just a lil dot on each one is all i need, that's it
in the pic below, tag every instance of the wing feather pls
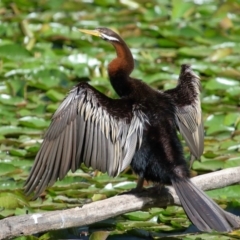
(87, 136)
(81, 131)
(94, 159)
(74, 145)
(186, 97)
(103, 154)
(67, 154)
(91, 128)
(56, 161)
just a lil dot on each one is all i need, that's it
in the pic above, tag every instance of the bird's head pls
(124, 62)
(104, 33)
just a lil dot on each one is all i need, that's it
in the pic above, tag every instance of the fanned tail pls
(203, 212)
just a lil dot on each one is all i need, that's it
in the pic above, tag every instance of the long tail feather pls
(204, 213)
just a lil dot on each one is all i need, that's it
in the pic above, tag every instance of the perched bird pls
(139, 129)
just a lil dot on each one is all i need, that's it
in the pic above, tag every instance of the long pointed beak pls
(91, 32)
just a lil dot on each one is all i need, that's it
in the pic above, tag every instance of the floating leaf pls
(6, 168)
(235, 162)
(11, 200)
(97, 197)
(125, 185)
(227, 192)
(14, 51)
(55, 95)
(18, 152)
(231, 118)
(221, 84)
(99, 235)
(200, 51)
(208, 165)
(138, 215)
(220, 53)
(34, 122)
(181, 10)
(10, 100)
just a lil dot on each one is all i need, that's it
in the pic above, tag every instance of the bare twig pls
(97, 211)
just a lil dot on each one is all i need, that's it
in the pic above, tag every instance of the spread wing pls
(88, 127)
(186, 97)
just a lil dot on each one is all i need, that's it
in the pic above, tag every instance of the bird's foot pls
(156, 189)
(139, 188)
(134, 191)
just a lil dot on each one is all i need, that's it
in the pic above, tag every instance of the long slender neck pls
(120, 68)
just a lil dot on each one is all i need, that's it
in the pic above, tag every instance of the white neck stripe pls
(110, 38)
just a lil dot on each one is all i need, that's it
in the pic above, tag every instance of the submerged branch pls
(97, 211)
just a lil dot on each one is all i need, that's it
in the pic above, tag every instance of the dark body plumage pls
(139, 129)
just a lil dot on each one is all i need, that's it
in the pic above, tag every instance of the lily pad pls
(34, 122)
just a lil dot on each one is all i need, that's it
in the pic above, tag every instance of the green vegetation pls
(42, 55)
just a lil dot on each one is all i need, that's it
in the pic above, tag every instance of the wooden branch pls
(97, 211)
